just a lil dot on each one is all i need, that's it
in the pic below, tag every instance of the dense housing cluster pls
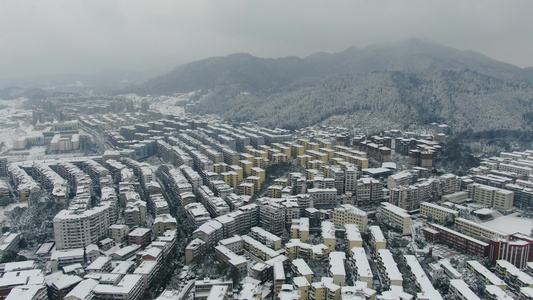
(329, 225)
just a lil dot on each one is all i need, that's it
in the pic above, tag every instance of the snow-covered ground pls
(167, 105)
(511, 224)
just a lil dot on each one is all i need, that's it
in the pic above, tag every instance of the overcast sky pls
(71, 36)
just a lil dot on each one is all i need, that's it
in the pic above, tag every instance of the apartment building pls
(460, 289)
(231, 258)
(437, 212)
(328, 234)
(234, 243)
(297, 249)
(164, 222)
(491, 196)
(514, 278)
(368, 190)
(272, 217)
(210, 232)
(197, 213)
(423, 285)
(399, 179)
(300, 229)
(140, 236)
(247, 189)
(410, 197)
(324, 289)
(135, 213)
(458, 240)
(336, 268)
(118, 232)
(258, 249)
(131, 287)
(377, 239)
(194, 249)
(495, 293)
(323, 197)
(360, 264)
(386, 263)
(303, 286)
(350, 179)
(301, 268)
(396, 216)
(279, 276)
(25, 185)
(516, 250)
(479, 231)
(77, 229)
(485, 274)
(265, 237)
(349, 214)
(353, 236)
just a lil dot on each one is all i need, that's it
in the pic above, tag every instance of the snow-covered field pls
(167, 105)
(511, 224)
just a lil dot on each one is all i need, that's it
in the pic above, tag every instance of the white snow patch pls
(511, 224)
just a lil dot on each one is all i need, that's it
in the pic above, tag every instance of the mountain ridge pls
(413, 55)
(424, 82)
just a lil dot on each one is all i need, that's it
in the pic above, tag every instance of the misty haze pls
(278, 150)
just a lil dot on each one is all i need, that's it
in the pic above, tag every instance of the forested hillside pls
(462, 98)
(410, 82)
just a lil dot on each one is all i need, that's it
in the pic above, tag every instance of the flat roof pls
(361, 262)
(491, 277)
(421, 277)
(377, 233)
(463, 289)
(139, 231)
(513, 270)
(328, 230)
(268, 251)
(435, 206)
(24, 292)
(265, 233)
(98, 263)
(464, 236)
(336, 263)
(83, 289)
(390, 265)
(123, 287)
(302, 267)
(352, 232)
(497, 292)
(395, 209)
(300, 281)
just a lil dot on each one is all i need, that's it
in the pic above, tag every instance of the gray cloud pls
(53, 36)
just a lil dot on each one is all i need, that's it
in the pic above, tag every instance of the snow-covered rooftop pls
(491, 277)
(302, 267)
(377, 233)
(361, 262)
(82, 290)
(336, 263)
(426, 286)
(463, 289)
(390, 265)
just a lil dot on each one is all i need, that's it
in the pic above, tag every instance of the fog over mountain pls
(414, 81)
(52, 37)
